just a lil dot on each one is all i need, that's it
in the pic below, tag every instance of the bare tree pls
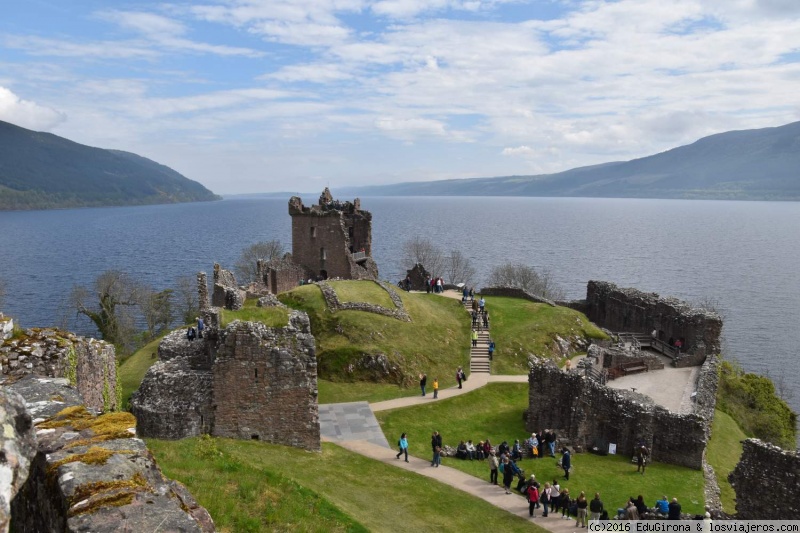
(246, 266)
(110, 306)
(187, 302)
(457, 268)
(422, 251)
(527, 278)
(156, 308)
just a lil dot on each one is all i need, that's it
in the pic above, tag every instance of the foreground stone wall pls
(18, 445)
(592, 415)
(89, 364)
(635, 311)
(265, 383)
(767, 482)
(91, 473)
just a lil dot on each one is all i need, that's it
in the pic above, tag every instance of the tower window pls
(313, 232)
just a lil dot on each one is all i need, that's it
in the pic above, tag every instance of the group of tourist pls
(434, 285)
(423, 382)
(193, 333)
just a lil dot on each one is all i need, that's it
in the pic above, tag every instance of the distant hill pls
(761, 164)
(44, 171)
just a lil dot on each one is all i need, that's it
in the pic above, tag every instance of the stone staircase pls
(479, 355)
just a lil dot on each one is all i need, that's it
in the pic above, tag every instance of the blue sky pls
(277, 95)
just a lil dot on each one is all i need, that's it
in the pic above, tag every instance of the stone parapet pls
(514, 292)
(767, 482)
(18, 445)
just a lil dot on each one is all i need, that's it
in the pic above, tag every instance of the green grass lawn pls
(520, 327)
(723, 452)
(362, 291)
(133, 369)
(495, 412)
(274, 317)
(436, 343)
(359, 391)
(254, 486)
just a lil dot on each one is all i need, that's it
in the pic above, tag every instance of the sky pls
(251, 96)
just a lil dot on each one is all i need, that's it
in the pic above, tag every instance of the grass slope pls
(274, 317)
(723, 452)
(362, 291)
(133, 369)
(254, 486)
(520, 327)
(435, 342)
(495, 412)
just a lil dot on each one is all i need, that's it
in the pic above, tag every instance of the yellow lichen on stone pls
(93, 456)
(136, 484)
(106, 427)
(65, 417)
(119, 499)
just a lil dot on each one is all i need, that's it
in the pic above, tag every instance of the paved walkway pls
(342, 422)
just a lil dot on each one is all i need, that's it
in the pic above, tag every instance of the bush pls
(753, 402)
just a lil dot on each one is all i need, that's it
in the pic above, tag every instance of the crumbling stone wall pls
(767, 482)
(91, 473)
(334, 304)
(202, 291)
(615, 357)
(245, 381)
(226, 293)
(593, 415)
(265, 383)
(419, 277)
(89, 364)
(635, 311)
(514, 292)
(281, 275)
(325, 237)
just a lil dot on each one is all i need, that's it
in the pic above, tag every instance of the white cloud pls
(27, 114)
(523, 151)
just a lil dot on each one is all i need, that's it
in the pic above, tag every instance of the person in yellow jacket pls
(435, 388)
(474, 337)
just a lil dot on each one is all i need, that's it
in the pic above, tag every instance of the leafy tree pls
(527, 278)
(421, 250)
(188, 306)
(246, 266)
(457, 268)
(110, 305)
(156, 308)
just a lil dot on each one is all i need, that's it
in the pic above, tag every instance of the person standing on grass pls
(435, 388)
(641, 458)
(423, 380)
(566, 463)
(403, 446)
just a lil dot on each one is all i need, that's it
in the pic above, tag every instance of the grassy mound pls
(355, 346)
(495, 412)
(361, 291)
(723, 452)
(132, 370)
(520, 327)
(274, 317)
(254, 486)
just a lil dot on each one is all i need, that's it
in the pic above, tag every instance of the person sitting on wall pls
(471, 450)
(662, 506)
(480, 451)
(516, 451)
(461, 450)
(674, 510)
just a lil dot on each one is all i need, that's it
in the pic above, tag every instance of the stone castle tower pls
(332, 239)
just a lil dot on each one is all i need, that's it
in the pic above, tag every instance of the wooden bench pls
(632, 368)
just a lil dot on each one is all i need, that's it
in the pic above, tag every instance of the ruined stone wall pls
(634, 311)
(592, 415)
(18, 445)
(226, 293)
(89, 364)
(513, 292)
(284, 276)
(202, 291)
(334, 304)
(70, 489)
(265, 384)
(767, 482)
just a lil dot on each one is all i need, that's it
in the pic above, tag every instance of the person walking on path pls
(403, 446)
(508, 474)
(423, 380)
(464, 294)
(474, 337)
(471, 294)
(436, 445)
(544, 499)
(595, 508)
(566, 463)
(460, 376)
(481, 304)
(493, 465)
(486, 320)
(533, 499)
(435, 388)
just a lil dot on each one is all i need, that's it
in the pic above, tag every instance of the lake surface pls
(745, 255)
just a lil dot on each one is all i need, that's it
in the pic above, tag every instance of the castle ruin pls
(332, 239)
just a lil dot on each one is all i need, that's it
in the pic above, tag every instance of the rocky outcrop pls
(767, 482)
(91, 473)
(17, 449)
(89, 364)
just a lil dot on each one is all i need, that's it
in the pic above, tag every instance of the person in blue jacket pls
(403, 446)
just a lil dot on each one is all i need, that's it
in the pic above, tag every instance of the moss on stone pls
(65, 417)
(118, 499)
(93, 456)
(105, 427)
(136, 484)
(71, 372)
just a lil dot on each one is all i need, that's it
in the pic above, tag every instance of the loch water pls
(744, 255)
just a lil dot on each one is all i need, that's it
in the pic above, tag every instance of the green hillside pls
(44, 171)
